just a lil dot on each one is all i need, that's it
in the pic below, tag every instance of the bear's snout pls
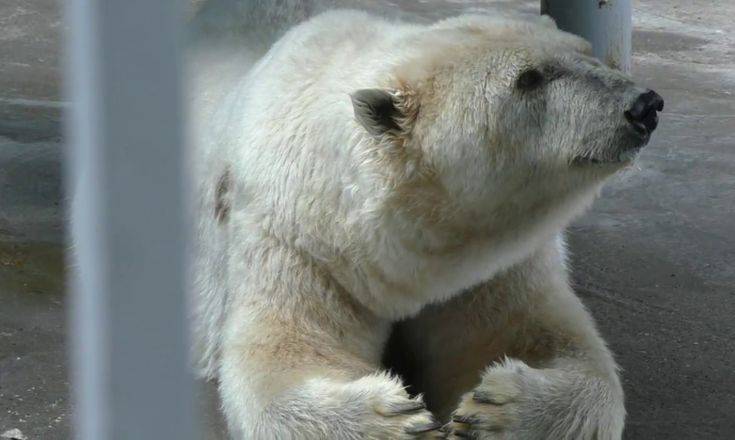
(643, 114)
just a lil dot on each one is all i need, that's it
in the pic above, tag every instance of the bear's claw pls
(406, 408)
(423, 428)
(487, 398)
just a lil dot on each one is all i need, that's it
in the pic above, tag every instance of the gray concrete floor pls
(653, 260)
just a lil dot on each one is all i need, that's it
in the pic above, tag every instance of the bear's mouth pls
(623, 151)
(584, 160)
(622, 157)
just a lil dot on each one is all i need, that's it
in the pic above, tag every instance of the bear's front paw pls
(373, 407)
(388, 411)
(514, 402)
(493, 409)
(403, 420)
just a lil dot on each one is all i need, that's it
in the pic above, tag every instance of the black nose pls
(643, 114)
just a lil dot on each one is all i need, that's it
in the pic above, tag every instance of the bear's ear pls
(377, 110)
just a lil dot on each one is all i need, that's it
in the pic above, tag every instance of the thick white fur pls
(314, 237)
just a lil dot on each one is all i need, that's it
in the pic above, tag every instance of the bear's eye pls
(530, 79)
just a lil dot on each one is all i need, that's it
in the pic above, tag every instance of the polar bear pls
(380, 215)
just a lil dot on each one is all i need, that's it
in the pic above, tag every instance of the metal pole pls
(124, 172)
(607, 24)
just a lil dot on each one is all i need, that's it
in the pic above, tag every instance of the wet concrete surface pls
(33, 375)
(653, 260)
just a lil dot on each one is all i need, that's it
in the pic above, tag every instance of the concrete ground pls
(653, 260)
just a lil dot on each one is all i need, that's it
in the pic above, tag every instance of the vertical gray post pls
(125, 174)
(607, 24)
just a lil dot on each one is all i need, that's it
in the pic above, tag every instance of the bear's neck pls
(407, 264)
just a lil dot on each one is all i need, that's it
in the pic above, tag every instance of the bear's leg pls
(301, 360)
(521, 358)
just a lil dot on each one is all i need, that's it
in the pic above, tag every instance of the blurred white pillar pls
(607, 24)
(125, 173)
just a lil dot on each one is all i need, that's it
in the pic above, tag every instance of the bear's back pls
(291, 128)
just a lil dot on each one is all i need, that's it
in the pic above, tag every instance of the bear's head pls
(487, 123)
